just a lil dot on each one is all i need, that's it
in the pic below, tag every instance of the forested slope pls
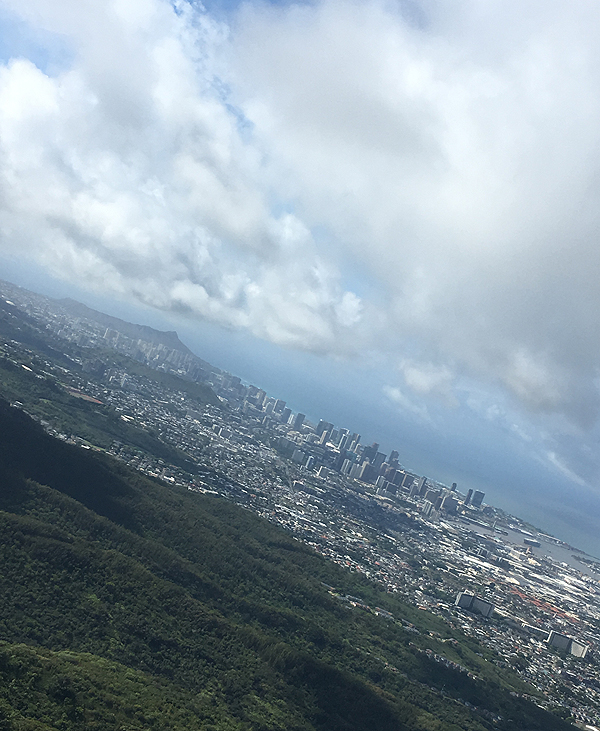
(127, 604)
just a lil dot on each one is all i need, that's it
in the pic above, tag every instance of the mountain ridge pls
(151, 586)
(168, 338)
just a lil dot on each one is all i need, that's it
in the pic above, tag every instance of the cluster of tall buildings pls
(327, 448)
(474, 498)
(254, 401)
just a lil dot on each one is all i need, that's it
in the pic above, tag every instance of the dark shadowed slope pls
(129, 604)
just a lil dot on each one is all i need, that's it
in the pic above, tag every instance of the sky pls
(386, 213)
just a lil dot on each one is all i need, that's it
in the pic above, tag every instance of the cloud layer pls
(458, 158)
(449, 160)
(130, 171)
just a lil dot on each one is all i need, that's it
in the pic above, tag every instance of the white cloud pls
(130, 172)
(459, 160)
(429, 378)
(416, 410)
(555, 461)
(454, 163)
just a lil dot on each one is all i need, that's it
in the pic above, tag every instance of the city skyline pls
(177, 356)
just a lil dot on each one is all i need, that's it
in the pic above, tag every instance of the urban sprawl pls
(529, 597)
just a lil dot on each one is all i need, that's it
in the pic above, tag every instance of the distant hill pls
(128, 604)
(168, 338)
(44, 398)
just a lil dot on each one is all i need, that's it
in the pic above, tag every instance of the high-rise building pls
(298, 421)
(449, 504)
(323, 426)
(341, 437)
(285, 415)
(427, 508)
(355, 471)
(432, 495)
(407, 480)
(397, 477)
(354, 442)
(256, 395)
(279, 406)
(469, 496)
(477, 498)
(370, 452)
(378, 460)
(346, 466)
(366, 472)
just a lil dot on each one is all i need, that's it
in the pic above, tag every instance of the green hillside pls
(127, 604)
(46, 399)
(17, 326)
